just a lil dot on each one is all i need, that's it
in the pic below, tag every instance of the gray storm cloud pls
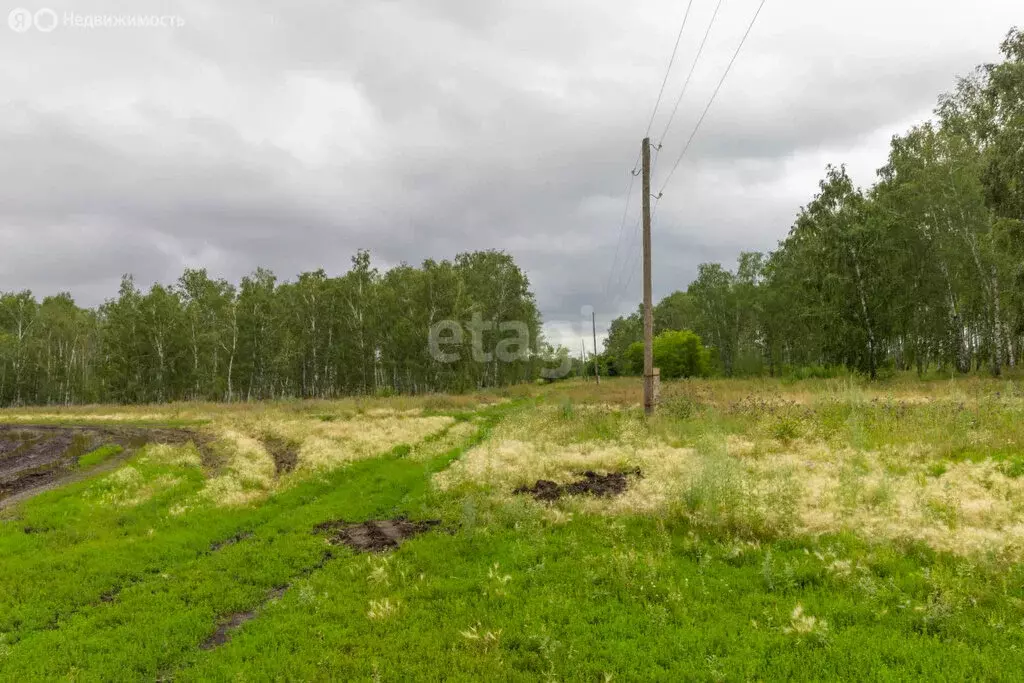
(271, 134)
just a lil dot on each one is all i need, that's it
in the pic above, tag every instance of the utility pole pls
(649, 376)
(583, 358)
(593, 322)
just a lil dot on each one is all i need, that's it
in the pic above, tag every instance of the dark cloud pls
(288, 135)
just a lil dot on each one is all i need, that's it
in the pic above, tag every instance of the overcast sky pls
(290, 134)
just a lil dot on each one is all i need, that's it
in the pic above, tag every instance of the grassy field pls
(814, 530)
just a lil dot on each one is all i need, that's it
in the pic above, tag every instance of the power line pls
(713, 96)
(615, 284)
(630, 240)
(635, 261)
(634, 258)
(622, 227)
(654, 113)
(668, 70)
(693, 68)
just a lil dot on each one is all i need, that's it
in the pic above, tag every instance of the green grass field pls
(819, 529)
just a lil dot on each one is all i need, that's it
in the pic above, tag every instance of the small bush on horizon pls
(677, 354)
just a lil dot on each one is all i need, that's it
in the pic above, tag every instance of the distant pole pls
(583, 358)
(593, 322)
(648, 312)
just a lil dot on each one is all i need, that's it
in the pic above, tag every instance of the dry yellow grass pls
(250, 472)
(453, 437)
(127, 487)
(761, 477)
(197, 411)
(30, 415)
(322, 434)
(175, 455)
(813, 457)
(970, 508)
(719, 392)
(248, 475)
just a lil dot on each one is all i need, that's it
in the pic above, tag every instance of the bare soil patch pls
(374, 535)
(36, 457)
(592, 483)
(240, 536)
(234, 621)
(284, 452)
(224, 629)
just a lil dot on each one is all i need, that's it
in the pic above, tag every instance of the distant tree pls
(634, 358)
(676, 311)
(924, 269)
(680, 353)
(719, 318)
(18, 317)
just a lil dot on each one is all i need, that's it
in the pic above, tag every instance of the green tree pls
(18, 317)
(680, 353)
(634, 358)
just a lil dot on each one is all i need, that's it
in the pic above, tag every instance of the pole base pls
(652, 391)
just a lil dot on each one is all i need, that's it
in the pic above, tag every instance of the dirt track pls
(34, 458)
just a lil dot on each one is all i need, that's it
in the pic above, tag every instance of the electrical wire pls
(650, 123)
(622, 226)
(713, 96)
(668, 70)
(689, 76)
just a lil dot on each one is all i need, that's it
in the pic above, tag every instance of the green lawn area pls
(815, 530)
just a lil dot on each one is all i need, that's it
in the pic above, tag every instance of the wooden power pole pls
(649, 374)
(593, 323)
(583, 359)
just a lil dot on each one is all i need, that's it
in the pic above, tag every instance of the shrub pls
(680, 407)
(635, 358)
(677, 353)
(680, 353)
(1013, 468)
(791, 373)
(786, 429)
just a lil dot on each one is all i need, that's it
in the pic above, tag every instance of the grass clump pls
(95, 457)
(725, 496)
(1013, 468)
(787, 429)
(682, 407)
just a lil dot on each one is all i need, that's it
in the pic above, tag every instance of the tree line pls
(364, 332)
(923, 270)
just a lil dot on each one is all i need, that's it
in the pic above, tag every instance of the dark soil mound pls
(375, 535)
(544, 489)
(592, 483)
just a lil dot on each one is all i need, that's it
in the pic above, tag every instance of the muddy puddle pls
(37, 457)
(374, 535)
(592, 484)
